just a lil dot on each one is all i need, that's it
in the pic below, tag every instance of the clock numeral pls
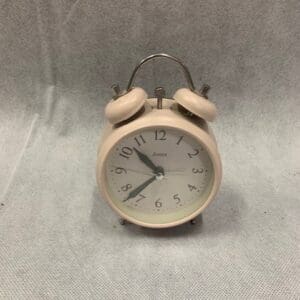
(195, 171)
(126, 187)
(176, 197)
(192, 187)
(141, 197)
(195, 153)
(179, 140)
(126, 152)
(139, 140)
(158, 203)
(119, 170)
(160, 135)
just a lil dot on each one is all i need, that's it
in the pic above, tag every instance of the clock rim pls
(159, 118)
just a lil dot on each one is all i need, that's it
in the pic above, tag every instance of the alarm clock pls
(158, 163)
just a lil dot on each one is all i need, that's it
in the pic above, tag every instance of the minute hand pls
(141, 187)
(146, 160)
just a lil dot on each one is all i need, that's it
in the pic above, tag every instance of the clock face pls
(158, 175)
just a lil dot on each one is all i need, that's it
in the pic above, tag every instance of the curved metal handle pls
(187, 73)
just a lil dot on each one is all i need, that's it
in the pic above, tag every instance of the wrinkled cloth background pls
(58, 238)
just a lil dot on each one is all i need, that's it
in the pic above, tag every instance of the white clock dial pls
(159, 175)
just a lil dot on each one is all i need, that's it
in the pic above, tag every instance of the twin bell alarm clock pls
(158, 163)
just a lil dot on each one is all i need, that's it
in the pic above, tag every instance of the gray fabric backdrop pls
(58, 59)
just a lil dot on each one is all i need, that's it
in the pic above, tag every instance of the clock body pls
(160, 169)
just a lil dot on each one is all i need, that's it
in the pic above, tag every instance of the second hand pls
(135, 171)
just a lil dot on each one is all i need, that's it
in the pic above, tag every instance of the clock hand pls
(135, 171)
(138, 189)
(175, 171)
(139, 172)
(147, 161)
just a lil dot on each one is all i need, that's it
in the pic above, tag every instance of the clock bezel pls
(159, 118)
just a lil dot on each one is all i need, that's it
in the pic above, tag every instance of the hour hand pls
(146, 160)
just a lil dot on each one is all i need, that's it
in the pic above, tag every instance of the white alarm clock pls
(158, 163)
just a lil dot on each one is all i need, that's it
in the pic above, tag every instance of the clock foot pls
(122, 221)
(193, 222)
(198, 220)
